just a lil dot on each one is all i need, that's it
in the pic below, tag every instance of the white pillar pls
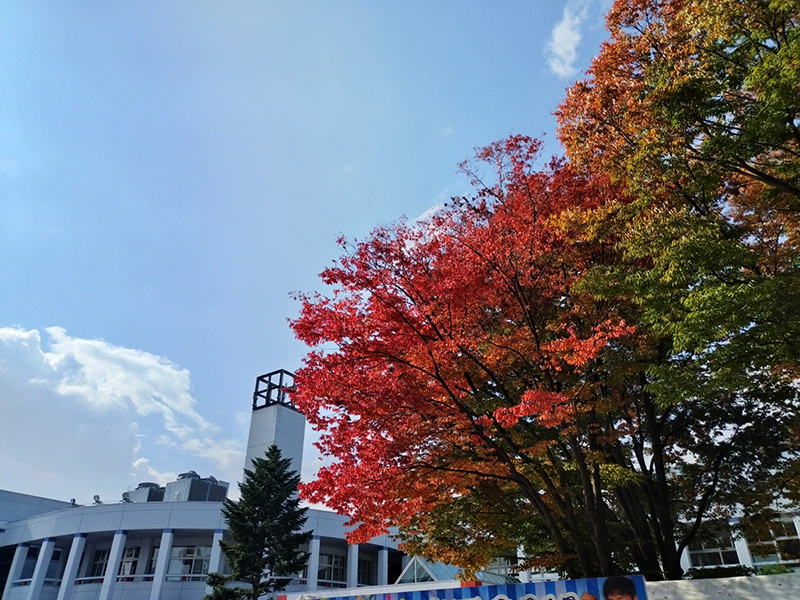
(352, 566)
(524, 576)
(743, 552)
(144, 556)
(40, 572)
(162, 563)
(17, 563)
(71, 570)
(112, 567)
(313, 563)
(686, 561)
(88, 551)
(217, 561)
(383, 566)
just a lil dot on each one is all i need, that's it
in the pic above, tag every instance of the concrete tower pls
(275, 420)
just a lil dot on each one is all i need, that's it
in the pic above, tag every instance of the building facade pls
(159, 543)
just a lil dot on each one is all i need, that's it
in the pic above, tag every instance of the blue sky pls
(170, 171)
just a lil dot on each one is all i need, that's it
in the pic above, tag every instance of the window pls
(503, 565)
(98, 568)
(188, 563)
(331, 568)
(151, 565)
(127, 567)
(779, 544)
(54, 568)
(30, 562)
(415, 572)
(713, 551)
(364, 572)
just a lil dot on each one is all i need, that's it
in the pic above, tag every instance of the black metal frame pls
(281, 382)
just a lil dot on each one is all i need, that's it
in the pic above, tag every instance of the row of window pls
(183, 560)
(190, 561)
(332, 571)
(778, 543)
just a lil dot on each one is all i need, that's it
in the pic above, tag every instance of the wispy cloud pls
(565, 37)
(88, 413)
(448, 131)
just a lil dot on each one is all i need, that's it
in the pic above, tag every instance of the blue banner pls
(600, 588)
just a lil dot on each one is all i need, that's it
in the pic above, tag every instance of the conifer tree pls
(266, 526)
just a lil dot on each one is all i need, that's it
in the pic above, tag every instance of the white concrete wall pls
(113, 517)
(279, 425)
(15, 506)
(759, 587)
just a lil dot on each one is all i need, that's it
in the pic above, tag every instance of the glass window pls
(98, 568)
(332, 568)
(189, 560)
(714, 551)
(54, 568)
(151, 565)
(130, 558)
(779, 544)
(415, 572)
(364, 571)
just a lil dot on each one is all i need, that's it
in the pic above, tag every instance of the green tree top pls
(266, 526)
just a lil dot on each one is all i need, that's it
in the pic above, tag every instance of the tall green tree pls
(694, 106)
(266, 526)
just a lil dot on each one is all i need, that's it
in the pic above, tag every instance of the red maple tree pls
(465, 351)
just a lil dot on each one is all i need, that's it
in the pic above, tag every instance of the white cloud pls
(448, 131)
(82, 417)
(427, 214)
(565, 37)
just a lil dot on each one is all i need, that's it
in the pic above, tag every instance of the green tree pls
(266, 527)
(695, 106)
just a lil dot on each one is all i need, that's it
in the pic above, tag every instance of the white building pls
(160, 542)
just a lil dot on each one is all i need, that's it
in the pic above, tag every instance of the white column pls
(217, 560)
(144, 556)
(796, 520)
(112, 567)
(686, 561)
(162, 563)
(524, 576)
(71, 570)
(87, 564)
(352, 566)
(383, 566)
(313, 563)
(17, 563)
(743, 552)
(40, 572)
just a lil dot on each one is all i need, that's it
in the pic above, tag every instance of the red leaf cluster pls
(456, 348)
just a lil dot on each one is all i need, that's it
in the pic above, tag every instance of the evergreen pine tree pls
(266, 530)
